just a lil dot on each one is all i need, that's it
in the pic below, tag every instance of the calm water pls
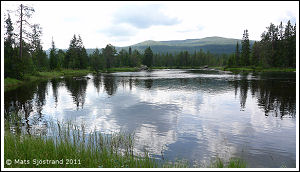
(191, 114)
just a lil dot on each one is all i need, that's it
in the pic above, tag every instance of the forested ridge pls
(24, 54)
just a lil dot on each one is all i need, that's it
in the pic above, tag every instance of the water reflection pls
(275, 97)
(97, 82)
(110, 84)
(190, 114)
(55, 84)
(77, 88)
(148, 83)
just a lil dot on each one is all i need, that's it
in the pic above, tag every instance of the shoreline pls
(12, 83)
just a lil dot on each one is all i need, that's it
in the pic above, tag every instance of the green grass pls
(93, 150)
(256, 69)
(233, 163)
(11, 83)
(64, 72)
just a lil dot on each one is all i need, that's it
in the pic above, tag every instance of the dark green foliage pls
(11, 55)
(135, 59)
(237, 55)
(53, 57)
(39, 57)
(97, 60)
(148, 57)
(9, 31)
(255, 58)
(124, 58)
(109, 53)
(60, 58)
(40, 60)
(245, 54)
(231, 61)
(277, 47)
(76, 56)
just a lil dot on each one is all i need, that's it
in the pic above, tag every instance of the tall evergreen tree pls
(255, 54)
(245, 54)
(109, 53)
(53, 57)
(96, 61)
(290, 44)
(39, 57)
(237, 55)
(10, 60)
(148, 57)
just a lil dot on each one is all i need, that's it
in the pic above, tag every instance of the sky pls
(126, 23)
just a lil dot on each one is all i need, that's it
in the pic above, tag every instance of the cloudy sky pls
(127, 23)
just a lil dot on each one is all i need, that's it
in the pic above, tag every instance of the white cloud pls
(123, 24)
(143, 16)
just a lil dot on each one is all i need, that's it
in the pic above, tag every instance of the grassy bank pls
(72, 148)
(99, 151)
(256, 69)
(10, 83)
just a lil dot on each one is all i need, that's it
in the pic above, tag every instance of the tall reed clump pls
(69, 146)
(233, 163)
(74, 148)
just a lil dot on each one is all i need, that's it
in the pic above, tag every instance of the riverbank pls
(71, 148)
(255, 69)
(11, 83)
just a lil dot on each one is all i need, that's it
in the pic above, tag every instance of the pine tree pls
(10, 60)
(109, 53)
(237, 55)
(245, 49)
(148, 57)
(53, 57)
(255, 54)
(96, 61)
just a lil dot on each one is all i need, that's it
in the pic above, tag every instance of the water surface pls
(190, 114)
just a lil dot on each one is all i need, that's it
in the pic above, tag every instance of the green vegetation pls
(75, 151)
(277, 48)
(28, 61)
(255, 69)
(11, 83)
(73, 148)
(233, 163)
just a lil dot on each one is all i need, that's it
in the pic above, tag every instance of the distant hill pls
(214, 44)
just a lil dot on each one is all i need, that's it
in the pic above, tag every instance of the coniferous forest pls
(24, 54)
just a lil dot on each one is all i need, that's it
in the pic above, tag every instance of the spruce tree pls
(237, 55)
(245, 49)
(148, 57)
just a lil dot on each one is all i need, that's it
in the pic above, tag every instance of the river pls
(185, 114)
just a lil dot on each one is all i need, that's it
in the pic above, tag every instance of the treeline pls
(24, 54)
(277, 48)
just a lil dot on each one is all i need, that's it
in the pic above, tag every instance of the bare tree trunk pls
(21, 32)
